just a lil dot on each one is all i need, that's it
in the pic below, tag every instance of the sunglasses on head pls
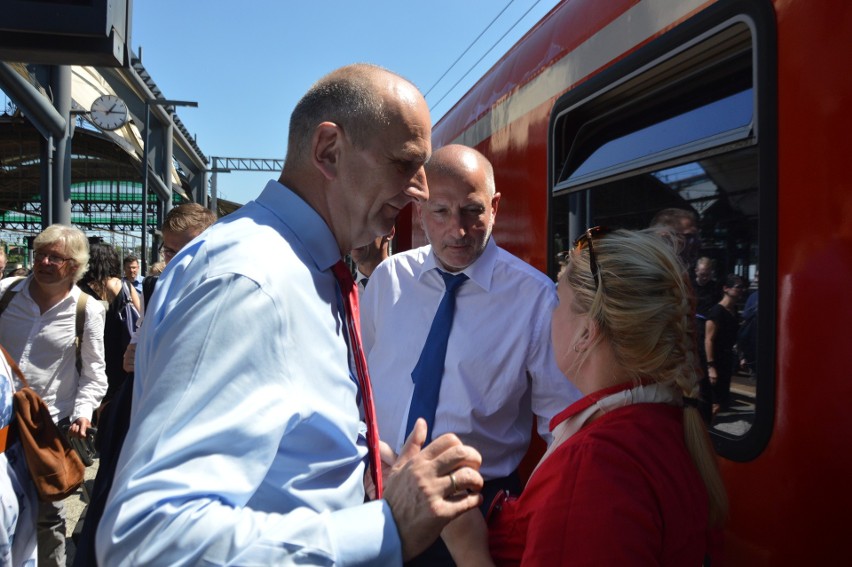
(585, 240)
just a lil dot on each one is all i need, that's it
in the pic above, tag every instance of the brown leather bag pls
(55, 467)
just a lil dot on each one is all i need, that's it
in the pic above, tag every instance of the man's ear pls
(325, 149)
(389, 236)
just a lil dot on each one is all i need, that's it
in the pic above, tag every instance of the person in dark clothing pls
(720, 337)
(707, 290)
(103, 282)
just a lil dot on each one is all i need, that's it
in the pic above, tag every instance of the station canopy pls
(106, 166)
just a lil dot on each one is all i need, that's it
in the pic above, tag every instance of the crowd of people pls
(260, 403)
(68, 323)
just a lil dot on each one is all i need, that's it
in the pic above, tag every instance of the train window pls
(679, 126)
(713, 124)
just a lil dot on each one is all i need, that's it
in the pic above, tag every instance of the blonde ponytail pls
(645, 308)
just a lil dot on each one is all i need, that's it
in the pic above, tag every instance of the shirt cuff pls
(82, 411)
(366, 535)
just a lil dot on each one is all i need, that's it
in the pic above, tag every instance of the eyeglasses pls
(52, 259)
(167, 252)
(586, 239)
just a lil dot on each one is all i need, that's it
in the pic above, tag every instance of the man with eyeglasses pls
(38, 328)
(181, 225)
(498, 375)
(131, 273)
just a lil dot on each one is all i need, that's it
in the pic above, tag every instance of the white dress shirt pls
(499, 369)
(44, 346)
(245, 444)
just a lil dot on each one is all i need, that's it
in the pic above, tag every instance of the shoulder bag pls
(55, 467)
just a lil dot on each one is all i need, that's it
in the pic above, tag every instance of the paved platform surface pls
(74, 506)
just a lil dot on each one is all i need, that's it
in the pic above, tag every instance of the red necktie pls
(353, 323)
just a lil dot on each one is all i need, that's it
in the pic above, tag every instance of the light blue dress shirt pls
(245, 445)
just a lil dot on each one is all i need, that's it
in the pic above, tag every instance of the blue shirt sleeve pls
(243, 447)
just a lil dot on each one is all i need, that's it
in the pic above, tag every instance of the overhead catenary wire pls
(468, 48)
(484, 55)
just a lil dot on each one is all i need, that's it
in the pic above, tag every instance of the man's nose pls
(456, 224)
(418, 189)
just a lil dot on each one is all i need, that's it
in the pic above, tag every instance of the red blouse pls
(623, 490)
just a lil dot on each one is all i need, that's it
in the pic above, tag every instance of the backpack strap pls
(79, 324)
(79, 320)
(8, 296)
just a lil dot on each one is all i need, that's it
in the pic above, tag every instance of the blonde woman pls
(630, 478)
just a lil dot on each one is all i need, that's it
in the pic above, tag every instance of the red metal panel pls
(787, 506)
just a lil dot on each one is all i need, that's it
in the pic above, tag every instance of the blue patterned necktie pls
(429, 371)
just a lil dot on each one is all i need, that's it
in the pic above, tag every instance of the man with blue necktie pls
(458, 332)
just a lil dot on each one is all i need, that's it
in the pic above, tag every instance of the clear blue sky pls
(248, 62)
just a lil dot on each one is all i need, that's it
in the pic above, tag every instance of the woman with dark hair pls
(103, 281)
(630, 477)
(720, 336)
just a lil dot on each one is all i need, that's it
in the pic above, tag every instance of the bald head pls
(358, 142)
(459, 215)
(462, 162)
(362, 99)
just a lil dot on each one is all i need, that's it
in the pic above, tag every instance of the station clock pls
(109, 112)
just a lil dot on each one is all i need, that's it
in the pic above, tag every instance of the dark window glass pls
(684, 135)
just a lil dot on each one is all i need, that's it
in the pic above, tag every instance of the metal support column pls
(61, 86)
(167, 148)
(56, 150)
(214, 190)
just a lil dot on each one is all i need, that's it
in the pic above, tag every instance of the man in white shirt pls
(499, 368)
(38, 328)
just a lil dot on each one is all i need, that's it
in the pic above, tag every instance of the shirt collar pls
(480, 272)
(307, 226)
(23, 287)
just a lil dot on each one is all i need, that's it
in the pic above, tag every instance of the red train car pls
(608, 111)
